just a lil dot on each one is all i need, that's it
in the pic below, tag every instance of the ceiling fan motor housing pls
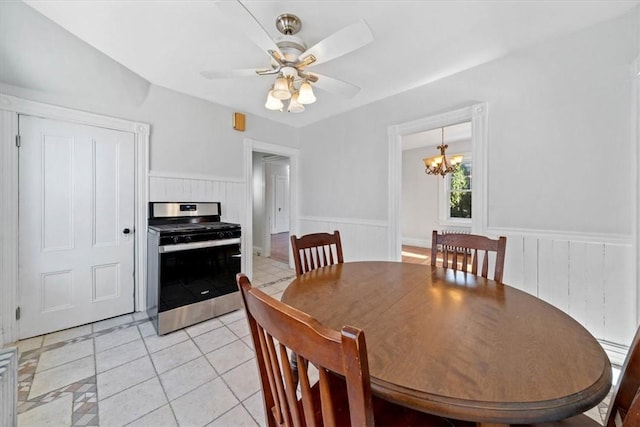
(291, 47)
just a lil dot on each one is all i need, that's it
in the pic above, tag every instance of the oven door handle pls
(197, 245)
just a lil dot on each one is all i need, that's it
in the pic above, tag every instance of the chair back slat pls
(466, 252)
(485, 264)
(305, 391)
(625, 404)
(277, 330)
(316, 250)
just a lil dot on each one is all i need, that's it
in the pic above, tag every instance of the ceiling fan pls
(290, 57)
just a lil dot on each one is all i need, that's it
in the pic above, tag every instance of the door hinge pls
(18, 141)
(18, 313)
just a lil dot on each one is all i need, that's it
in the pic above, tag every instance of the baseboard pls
(421, 243)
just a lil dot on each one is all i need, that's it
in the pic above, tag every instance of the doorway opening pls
(261, 222)
(434, 202)
(271, 206)
(398, 134)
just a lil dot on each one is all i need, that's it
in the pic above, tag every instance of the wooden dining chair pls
(466, 251)
(342, 394)
(316, 250)
(624, 408)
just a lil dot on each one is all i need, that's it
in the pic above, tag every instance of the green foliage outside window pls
(460, 196)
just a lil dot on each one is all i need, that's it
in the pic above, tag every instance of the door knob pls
(126, 231)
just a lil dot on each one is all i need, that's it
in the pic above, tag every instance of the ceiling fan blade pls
(332, 85)
(229, 74)
(346, 40)
(249, 25)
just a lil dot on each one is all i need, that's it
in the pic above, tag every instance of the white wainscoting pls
(592, 278)
(170, 187)
(362, 239)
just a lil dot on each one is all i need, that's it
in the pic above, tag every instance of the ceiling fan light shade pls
(294, 104)
(281, 88)
(273, 103)
(306, 95)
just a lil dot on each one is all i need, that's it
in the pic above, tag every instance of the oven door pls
(190, 273)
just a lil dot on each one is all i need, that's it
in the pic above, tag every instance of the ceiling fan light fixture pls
(306, 95)
(273, 103)
(281, 88)
(294, 104)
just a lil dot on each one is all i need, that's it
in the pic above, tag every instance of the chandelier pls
(285, 88)
(440, 165)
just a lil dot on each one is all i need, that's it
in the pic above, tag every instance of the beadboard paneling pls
(591, 278)
(593, 281)
(228, 192)
(362, 240)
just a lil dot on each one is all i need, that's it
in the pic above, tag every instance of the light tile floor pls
(119, 372)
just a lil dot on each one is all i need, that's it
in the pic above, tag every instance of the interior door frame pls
(251, 145)
(10, 108)
(477, 114)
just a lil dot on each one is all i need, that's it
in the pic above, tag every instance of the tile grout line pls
(27, 404)
(159, 380)
(84, 393)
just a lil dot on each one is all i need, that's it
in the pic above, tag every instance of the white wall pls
(259, 202)
(189, 136)
(557, 111)
(569, 97)
(420, 204)
(419, 198)
(194, 152)
(560, 158)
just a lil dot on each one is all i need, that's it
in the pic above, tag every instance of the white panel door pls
(281, 205)
(76, 247)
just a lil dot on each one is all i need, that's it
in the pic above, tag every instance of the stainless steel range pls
(193, 259)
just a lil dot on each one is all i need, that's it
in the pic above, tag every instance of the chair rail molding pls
(193, 176)
(477, 114)
(10, 109)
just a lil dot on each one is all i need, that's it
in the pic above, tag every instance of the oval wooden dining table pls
(458, 345)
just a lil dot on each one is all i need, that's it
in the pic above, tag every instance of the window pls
(456, 203)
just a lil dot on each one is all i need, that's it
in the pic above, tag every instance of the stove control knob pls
(176, 239)
(220, 235)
